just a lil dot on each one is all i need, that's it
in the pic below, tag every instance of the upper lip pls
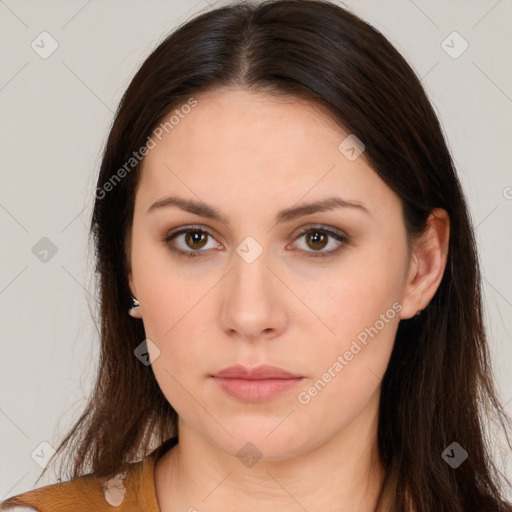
(257, 372)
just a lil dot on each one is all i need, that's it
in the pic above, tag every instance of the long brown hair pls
(438, 387)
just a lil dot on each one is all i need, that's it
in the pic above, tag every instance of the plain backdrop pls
(55, 114)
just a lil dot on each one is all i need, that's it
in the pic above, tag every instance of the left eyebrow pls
(286, 215)
(330, 203)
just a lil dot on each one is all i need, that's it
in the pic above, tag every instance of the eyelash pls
(344, 240)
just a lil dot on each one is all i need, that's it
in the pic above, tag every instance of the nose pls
(253, 300)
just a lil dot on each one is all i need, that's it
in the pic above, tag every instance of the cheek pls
(361, 305)
(177, 314)
(348, 370)
(164, 294)
(354, 297)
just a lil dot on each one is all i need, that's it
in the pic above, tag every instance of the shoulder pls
(131, 488)
(121, 489)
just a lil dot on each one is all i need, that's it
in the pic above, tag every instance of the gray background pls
(55, 117)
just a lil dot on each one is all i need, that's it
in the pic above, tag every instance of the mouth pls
(256, 384)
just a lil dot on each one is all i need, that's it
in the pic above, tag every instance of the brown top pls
(129, 489)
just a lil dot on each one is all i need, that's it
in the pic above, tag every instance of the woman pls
(290, 293)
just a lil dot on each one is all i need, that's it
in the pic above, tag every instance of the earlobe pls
(134, 311)
(429, 262)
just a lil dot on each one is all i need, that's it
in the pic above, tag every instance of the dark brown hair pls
(438, 387)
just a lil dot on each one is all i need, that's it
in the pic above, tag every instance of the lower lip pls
(255, 390)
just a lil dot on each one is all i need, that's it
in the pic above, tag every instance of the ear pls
(134, 312)
(428, 262)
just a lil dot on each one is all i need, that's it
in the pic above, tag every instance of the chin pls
(250, 443)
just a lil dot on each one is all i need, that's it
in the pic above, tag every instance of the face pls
(315, 292)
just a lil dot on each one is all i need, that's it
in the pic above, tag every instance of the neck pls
(344, 474)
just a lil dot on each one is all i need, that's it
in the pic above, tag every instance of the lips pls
(255, 384)
(259, 372)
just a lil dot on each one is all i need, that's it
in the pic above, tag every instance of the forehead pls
(243, 121)
(247, 146)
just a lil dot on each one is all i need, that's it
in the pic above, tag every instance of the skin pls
(250, 155)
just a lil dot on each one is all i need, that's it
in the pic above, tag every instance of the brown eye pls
(316, 240)
(190, 242)
(196, 239)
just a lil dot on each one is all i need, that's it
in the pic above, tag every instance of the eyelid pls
(320, 227)
(192, 227)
